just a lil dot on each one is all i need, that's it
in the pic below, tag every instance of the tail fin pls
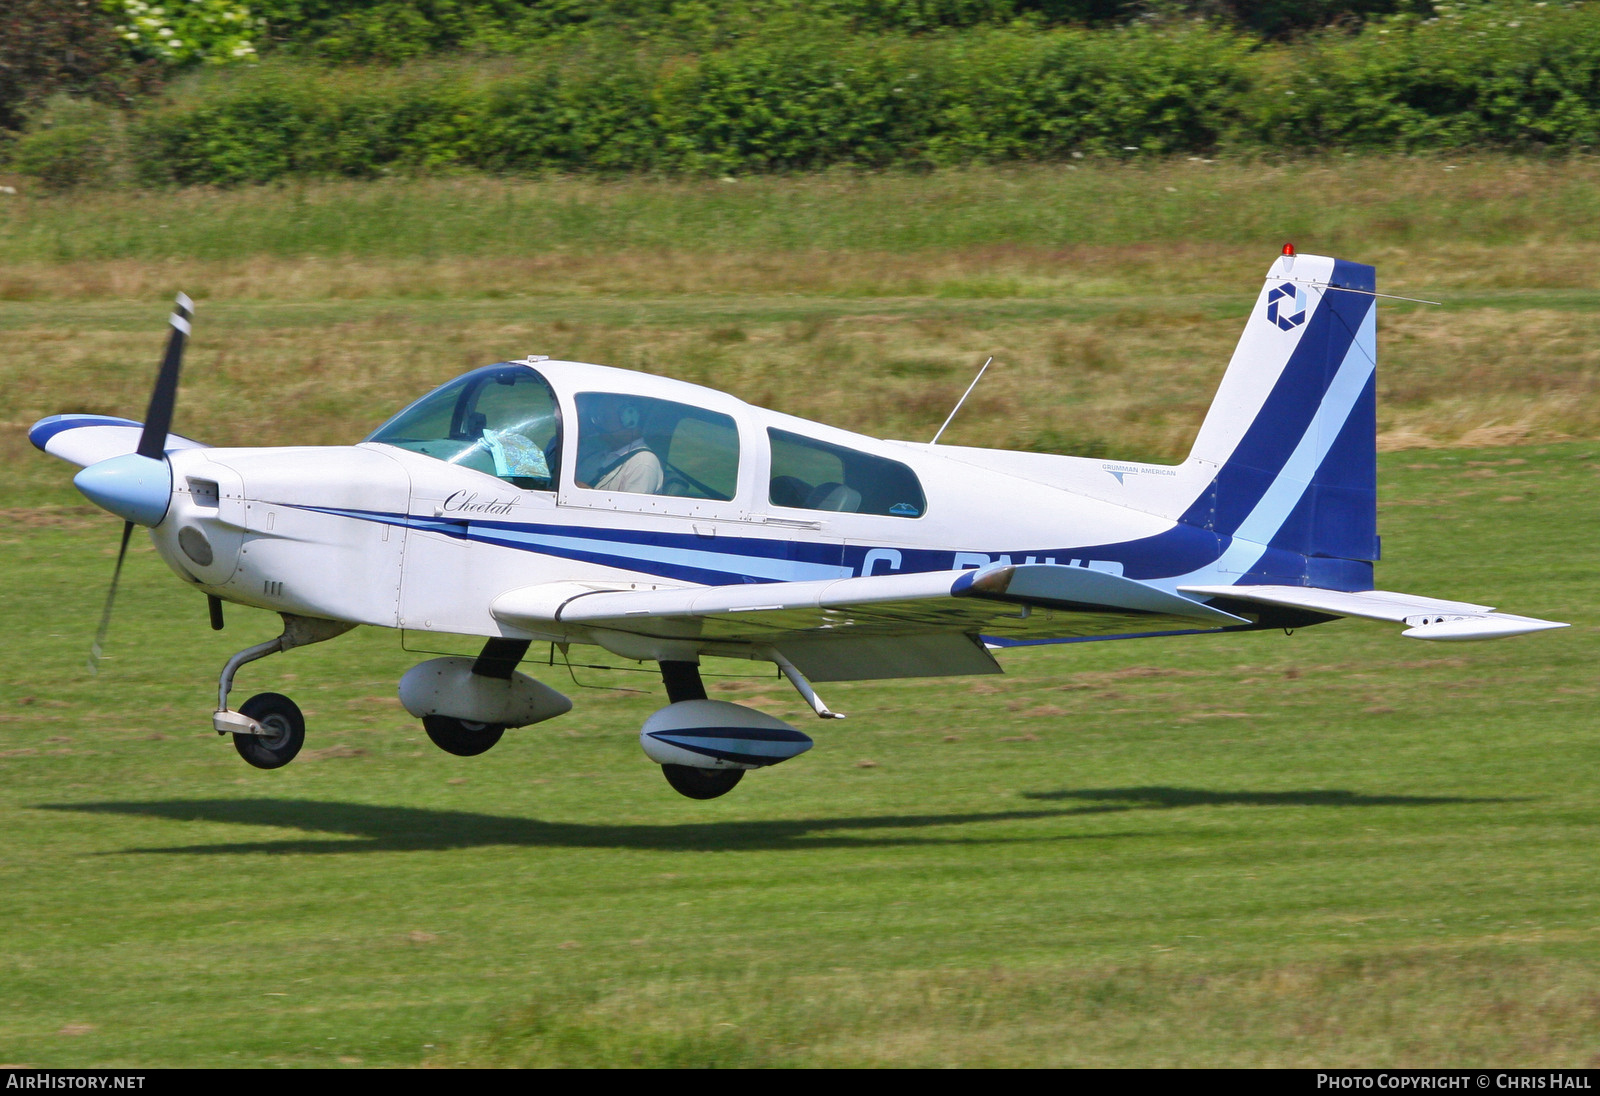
(1291, 438)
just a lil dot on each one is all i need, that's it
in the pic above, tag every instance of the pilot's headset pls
(626, 416)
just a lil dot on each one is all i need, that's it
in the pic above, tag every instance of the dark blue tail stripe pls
(1337, 516)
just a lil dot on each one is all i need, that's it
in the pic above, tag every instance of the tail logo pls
(1286, 306)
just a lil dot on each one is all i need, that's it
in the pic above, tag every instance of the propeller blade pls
(152, 444)
(164, 397)
(111, 596)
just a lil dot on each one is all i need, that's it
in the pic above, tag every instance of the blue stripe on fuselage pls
(686, 557)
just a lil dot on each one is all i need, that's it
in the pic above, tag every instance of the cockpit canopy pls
(505, 420)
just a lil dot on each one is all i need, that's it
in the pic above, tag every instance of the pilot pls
(620, 459)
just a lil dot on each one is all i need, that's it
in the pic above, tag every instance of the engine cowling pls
(715, 734)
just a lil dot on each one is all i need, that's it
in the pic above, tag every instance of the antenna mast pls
(961, 401)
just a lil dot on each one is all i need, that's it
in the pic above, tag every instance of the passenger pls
(620, 461)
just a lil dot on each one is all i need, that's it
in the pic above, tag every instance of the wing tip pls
(41, 432)
(1494, 626)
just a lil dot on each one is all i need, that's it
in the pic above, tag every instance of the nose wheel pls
(286, 729)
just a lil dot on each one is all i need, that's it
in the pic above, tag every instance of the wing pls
(1426, 617)
(90, 439)
(911, 625)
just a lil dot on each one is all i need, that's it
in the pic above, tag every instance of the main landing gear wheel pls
(281, 717)
(459, 737)
(701, 783)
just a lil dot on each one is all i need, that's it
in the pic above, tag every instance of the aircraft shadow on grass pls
(1162, 797)
(414, 829)
(372, 828)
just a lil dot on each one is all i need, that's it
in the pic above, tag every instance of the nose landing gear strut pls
(268, 729)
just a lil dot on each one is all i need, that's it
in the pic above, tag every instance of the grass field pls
(1336, 848)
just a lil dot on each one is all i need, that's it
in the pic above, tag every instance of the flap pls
(824, 658)
(1082, 588)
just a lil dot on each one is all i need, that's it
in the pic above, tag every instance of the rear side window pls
(816, 475)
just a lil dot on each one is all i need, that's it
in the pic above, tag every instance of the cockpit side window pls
(639, 445)
(815, 475)
(502, 420)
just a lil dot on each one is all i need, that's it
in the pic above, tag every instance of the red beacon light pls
(1288, 250)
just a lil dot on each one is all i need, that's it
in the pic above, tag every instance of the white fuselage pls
(380, 535)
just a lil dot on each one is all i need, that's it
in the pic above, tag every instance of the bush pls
(74, 144)
(1510, 74)
(1514, 75)
(790, 102)
(1282, 19)
(400, 30)
(50, 47)
(179, 32)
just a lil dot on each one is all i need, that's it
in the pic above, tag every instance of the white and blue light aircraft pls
(541, 501)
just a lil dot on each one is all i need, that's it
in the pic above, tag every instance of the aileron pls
(1426, 617)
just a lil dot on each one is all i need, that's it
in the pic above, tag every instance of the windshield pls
(502, 420)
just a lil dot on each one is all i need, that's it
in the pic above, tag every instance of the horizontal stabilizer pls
(1426, 617)
(89, 439)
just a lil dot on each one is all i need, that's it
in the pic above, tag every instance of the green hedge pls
(399, 30)
(1528, 79)
(791, 103)
(1512, 76)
